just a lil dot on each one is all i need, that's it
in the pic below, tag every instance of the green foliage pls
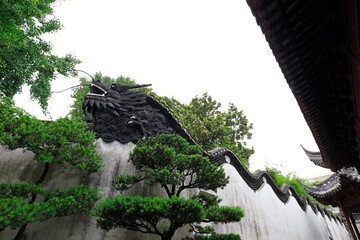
(296, 182)
(20, 189)
(289, 179)
(76, 112)
(57, 141)
(171, 161)
(210, 127)
(214, 213)
(15, 212)
(145, 213)
(124, 182)
(168, 160)
(213, 128)
(61, 141)
(16, 208)
(76, 199)
(25, 57)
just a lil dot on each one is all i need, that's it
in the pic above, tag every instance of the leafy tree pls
(25, 57)
(57, 141)
(172, 162)
(79, 93)
(211, 128)
(62, 141)
(297, 183)
(17, 208)
(289, 179)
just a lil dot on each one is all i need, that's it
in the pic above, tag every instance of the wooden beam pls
(349, 224)
(354, 225)
(346, 215)
(352, 7)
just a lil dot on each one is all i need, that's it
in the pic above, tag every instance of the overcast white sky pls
(185, 48)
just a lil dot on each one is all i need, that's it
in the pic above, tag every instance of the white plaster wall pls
(266, 217)
(18, 166)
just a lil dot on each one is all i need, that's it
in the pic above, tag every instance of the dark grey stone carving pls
(119, 113)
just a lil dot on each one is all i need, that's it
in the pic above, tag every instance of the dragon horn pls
(136, 86)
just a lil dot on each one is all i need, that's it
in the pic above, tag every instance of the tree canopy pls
(174, 164)
(57, 141)
(17, 209)
(210, 127)
(63, 141)
(25, 57)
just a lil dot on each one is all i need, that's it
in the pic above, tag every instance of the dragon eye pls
(113, 86)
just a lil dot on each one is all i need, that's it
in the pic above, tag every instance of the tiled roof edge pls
(315, 157)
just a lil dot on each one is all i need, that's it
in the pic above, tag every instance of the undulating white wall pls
(266, 217)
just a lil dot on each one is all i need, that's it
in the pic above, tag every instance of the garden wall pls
(266, 215)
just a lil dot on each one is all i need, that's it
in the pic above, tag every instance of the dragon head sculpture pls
(119, 113)
(116, 98)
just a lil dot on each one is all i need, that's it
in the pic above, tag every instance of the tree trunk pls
(168, 235)
(22, 229)
(162, 238)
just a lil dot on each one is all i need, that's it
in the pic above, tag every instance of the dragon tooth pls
(103, 104)
(97, 103)
(111, 105)
(114, 112)
(85, 103)
(92, 103)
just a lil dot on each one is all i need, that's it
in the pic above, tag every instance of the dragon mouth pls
(96, 90)
(97, 99)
